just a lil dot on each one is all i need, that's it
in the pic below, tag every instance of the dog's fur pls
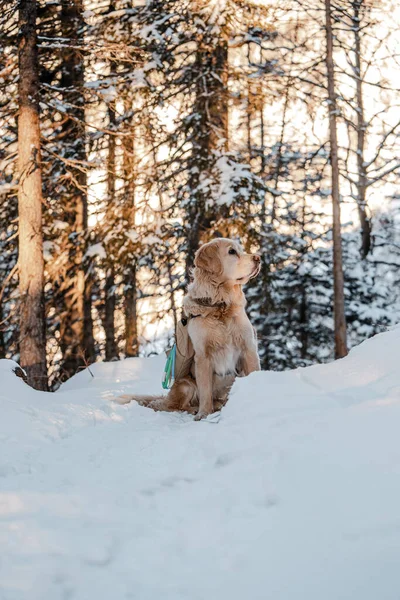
(224, 341)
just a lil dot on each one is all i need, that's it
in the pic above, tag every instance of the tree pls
(77, 342)
(31, 263)
(361, 126)
(109, 284)
(128, 255)
(339, 308)
(368, 104)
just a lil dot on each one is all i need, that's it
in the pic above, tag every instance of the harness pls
(204, 303)
(180, 356)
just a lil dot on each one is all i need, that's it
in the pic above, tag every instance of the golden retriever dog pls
(224, 341)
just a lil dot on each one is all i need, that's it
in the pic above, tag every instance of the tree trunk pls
(255, 112)
(2, 341)
(211, 135)
(77, 342)
(279, 157)
(339, 309)
(169, 268)
(262, 120)
(109, 290)
(109, 322)
(217, 101)
(31, 263)
(250, 110)
(365, 222)
(303, 308)
(131, 333)
(130, 289)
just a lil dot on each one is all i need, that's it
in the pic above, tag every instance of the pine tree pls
(8, 183)
(339, 308)
(128, 256)
(31, 263)
(76, 331)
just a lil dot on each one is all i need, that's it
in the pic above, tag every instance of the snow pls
(151, 239)
(133, 235)
(48, 248)
(88, 14)
(292, 493)
(96, 250)
(230, 174)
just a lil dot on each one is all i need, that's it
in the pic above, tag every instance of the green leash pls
(169, 371)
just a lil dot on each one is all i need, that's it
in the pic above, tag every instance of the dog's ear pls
(207, 258)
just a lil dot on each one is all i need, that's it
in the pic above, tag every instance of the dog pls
(224, 341)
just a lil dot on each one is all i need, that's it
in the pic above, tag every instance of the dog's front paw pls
(201, 415)
(212, 417)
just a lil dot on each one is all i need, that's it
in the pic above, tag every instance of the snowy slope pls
(293, 494)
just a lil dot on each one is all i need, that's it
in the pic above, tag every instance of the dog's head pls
(225, 261)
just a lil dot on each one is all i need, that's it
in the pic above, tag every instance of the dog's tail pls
(154, 402)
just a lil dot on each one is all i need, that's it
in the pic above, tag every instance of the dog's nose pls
(256, 258)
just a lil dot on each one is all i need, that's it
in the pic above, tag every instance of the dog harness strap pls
(185, 319)
(203, 302)
(169, 370)
(206, 302)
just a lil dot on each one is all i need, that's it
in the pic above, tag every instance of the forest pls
(133, 131)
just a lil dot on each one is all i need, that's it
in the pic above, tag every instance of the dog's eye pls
(232, 251)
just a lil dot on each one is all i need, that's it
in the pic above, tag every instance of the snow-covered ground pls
(293, 494)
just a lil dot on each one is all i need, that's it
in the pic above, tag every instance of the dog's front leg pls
(250, 361)
(204, 376)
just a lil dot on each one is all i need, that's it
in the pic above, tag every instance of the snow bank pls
(294, 493)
